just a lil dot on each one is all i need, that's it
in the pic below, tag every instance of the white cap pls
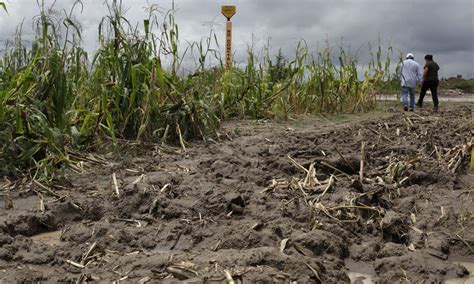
(410, 55)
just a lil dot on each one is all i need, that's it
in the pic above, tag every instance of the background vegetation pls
(55, 98)
(465, 85)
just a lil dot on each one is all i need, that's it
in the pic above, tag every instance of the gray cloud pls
(443, 28)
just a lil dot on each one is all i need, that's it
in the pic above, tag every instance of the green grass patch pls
(465, 85)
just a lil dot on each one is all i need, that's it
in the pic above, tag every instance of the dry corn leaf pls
(283, 244)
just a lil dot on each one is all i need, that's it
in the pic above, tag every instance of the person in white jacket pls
(410, 74)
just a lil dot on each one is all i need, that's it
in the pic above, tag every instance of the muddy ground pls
(270, 202)
(453, 93)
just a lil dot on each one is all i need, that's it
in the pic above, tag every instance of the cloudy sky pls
(444, 28)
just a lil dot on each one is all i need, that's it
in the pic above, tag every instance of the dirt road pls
(443, 98)
(384, 198)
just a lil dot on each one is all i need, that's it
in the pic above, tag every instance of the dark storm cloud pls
(441, 27)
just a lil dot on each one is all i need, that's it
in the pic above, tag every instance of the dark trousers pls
(433, 87)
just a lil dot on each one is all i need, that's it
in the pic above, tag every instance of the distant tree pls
(279, 70)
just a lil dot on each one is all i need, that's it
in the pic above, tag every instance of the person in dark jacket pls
(430, 81)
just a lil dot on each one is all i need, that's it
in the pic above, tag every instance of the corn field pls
(57, 98)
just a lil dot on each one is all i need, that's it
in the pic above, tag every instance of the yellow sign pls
(228, 11)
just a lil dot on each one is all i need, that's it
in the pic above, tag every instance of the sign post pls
(228, 12)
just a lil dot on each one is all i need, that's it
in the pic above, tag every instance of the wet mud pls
(375, 200)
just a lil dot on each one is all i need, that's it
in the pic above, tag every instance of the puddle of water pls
(21, 204)
(363, 278)
(469, 266)
(360, 272)
(162, 251)
(50, 238)
(465, 280)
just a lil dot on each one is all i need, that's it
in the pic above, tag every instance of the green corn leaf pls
(146, 24)
(4, 6)
(68, 22)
